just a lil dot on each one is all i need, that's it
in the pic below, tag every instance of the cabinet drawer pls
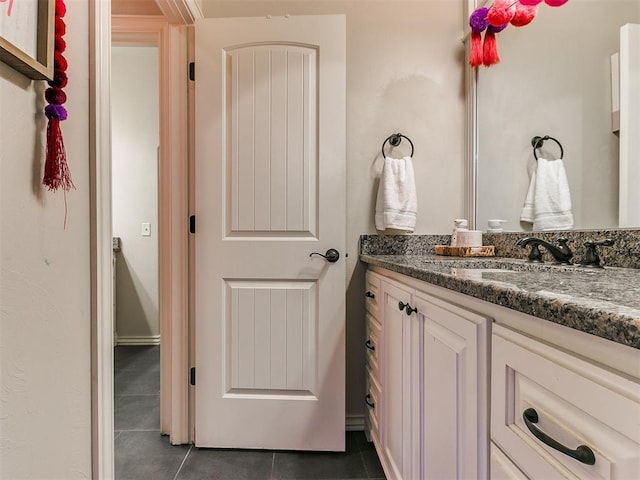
(502, 468)
(373, 345)
(578, 403)
(374, 394)
(372, 293)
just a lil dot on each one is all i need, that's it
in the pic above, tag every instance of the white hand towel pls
(527, 214)
(396, 204)
(548, 201)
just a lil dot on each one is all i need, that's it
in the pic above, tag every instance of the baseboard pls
(354, 423)
(138, 340)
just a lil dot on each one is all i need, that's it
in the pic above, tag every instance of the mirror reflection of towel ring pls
(395, 140)
(536, 142)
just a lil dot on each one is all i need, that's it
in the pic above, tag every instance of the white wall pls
(404, 74)
(135, 140)
(45, 352)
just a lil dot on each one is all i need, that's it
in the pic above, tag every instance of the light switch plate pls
(146, 229)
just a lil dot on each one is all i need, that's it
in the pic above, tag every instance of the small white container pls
(495, 225)
(459, 225)
(469, 238)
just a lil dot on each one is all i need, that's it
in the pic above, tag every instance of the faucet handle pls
(591, 257)
(535, 256)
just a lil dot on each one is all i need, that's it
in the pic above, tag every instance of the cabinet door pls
(455, 399)
(400, 381)
(577, 403)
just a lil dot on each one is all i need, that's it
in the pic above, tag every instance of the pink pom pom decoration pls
(524, 15)
(529, 3)
(555, 3)
(501, 12)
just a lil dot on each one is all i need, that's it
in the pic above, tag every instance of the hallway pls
(142, 453)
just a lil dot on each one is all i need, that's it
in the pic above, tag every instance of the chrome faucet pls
(560, 252)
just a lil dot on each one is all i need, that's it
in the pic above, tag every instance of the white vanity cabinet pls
(432, 411)
(590, 411)
(453, 376)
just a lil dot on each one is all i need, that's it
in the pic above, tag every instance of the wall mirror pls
(555, 79)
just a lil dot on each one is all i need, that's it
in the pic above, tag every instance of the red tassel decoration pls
(490, 49)
(490, 45)
(56, 170)
(475, 51)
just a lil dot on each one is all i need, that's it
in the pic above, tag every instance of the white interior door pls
(270, 190)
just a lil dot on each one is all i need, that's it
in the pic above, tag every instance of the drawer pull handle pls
(407, 308)
(367, 399)
(582, 453)
(370, 295)
(370, 345)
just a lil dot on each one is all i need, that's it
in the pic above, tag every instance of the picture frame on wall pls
(27, 36)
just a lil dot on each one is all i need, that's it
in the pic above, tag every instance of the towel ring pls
(536, 142)
(395, 140)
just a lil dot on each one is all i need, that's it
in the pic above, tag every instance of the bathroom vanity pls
(477, 366)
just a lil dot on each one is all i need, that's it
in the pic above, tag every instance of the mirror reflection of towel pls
(396, 204)
(548, 202)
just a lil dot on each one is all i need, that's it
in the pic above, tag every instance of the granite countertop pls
(602, 302)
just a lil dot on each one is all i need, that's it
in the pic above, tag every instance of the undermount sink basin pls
(497, 263)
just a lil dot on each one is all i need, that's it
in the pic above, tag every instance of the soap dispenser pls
(459, 224)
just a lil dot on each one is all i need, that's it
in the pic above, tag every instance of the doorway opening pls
(134, 173)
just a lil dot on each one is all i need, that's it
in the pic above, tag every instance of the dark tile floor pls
(142, 453)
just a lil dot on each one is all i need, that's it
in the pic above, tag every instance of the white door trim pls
(102, 464)
(173, 236)
(184, 12)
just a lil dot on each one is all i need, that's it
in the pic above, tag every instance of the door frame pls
(173, 213)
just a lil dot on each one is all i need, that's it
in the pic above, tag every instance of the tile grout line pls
(183, 462)
(273, 466)
(139, 430)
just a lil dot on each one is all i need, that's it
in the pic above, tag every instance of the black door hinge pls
(192, 376)
(192, 71)
(192, 224)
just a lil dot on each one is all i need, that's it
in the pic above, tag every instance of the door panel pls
(273, 181)
(271, 337)
(270, 190)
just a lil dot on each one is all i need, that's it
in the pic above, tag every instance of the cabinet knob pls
(407, 308)
(370, 345)
(370, 295)
(582, 453)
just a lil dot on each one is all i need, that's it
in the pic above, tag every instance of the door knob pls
(332, 255)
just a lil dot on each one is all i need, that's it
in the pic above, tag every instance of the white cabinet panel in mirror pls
(554, 78)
